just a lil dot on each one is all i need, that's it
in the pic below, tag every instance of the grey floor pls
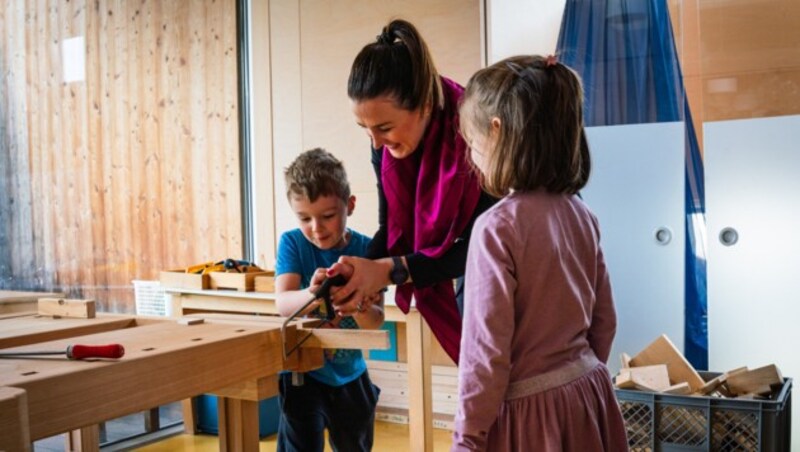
(118, 429)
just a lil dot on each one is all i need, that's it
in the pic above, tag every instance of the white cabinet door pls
(753, 206)
(637, 192)
(753, 213)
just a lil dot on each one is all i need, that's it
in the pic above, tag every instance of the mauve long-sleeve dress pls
(539, 320)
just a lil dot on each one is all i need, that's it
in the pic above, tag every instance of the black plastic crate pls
(662, 422)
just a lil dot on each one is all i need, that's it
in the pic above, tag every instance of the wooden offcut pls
(756, 381)
(60, 307)
(646, 378)
(663, 351)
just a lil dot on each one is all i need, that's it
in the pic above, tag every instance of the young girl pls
(538, 311)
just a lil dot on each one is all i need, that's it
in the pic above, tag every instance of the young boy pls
(340, 395)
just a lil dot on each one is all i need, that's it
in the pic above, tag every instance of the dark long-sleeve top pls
(425, 271)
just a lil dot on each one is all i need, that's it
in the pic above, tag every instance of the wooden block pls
(663, 351)
(646, 378)
(679, 389)
(190, 321)
(74, 309)
(756, 381)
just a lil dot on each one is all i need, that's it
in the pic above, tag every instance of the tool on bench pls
(227, 265)
(76, 351)
(323, 292)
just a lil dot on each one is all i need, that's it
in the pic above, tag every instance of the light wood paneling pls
(318, 41)
(740, 59)
(134, 169)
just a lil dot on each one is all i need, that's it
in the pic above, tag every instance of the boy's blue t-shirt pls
(297, 255)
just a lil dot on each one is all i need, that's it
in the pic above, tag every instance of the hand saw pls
(323, 292)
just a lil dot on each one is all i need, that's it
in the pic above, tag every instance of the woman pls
(428, 196)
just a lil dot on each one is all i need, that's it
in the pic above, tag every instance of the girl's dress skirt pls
(580, 416)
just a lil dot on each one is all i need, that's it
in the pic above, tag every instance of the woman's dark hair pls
(397, 64)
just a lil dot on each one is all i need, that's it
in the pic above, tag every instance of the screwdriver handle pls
(112, 351)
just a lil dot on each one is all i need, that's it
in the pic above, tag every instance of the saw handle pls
(112, 351)
(324, 292)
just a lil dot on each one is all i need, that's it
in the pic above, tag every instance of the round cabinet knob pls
(728, 236)
(663, 235)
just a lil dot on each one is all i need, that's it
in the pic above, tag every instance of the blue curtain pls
(625, 52)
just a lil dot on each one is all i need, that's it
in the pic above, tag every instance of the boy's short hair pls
(316, 173)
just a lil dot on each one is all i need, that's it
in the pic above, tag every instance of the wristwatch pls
(399, 273)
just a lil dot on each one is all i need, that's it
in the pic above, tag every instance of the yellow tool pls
(227, 265)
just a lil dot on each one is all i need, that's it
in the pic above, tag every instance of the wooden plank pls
(176, 362)
(34, 329)
(663, 351)
(67, 308)
(341, 338)
(14, 431)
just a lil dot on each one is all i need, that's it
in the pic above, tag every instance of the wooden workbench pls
(236, 357)
(17, 301)
(418, 343)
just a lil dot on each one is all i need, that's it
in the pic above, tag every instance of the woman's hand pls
(365, 278)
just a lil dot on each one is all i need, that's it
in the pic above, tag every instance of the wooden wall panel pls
(133, 170)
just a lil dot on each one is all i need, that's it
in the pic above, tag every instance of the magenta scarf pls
(430, 199)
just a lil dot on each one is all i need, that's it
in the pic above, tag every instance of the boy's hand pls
(316, 280)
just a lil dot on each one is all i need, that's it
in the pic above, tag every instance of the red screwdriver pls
(76, 351)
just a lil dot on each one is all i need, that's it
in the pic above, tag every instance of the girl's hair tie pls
(551, 61)
(386, 38)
